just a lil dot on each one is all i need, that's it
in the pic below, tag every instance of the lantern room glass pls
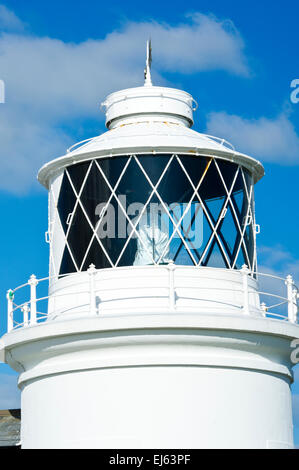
(154, 209)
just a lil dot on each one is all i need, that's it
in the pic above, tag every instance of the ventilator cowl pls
(149, 103)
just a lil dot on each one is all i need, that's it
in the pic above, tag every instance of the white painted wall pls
(158, 407)
(155, 381)
(132, 290)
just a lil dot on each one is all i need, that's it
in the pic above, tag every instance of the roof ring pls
(194, 108)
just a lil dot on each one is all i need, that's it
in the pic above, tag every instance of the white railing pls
(81, 143)
(35, 310)
(220, 141)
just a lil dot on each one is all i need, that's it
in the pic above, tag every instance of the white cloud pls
(278, 260)
(271, 140)
(9, 21)
(50, 83)
(203, 43)
(26, 143)
(69, 79)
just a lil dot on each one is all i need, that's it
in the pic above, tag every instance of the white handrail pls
(81, 143)
(220, 140)
(31, 315)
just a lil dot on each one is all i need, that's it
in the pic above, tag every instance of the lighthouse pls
(154, 329)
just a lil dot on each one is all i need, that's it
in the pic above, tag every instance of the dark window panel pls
(241, 259)
(96, 191)
(154, 165)
(214, 257)
(96, 256)
(228, 171)
(66, 201)
(129, 255)
(195, 167)
(229, 230)
(67, 264)
(175, 191)
(79, 235)
(175, 186)
(77, 174)
(212, 185)
(112, 168)
(191, 230)
(248, 180)
(215, 208)
(111, 228)
(134, 186)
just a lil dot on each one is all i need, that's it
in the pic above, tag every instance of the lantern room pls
(151, 191)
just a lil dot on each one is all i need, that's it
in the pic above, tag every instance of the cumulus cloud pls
(66, 79)
(9, 21)
(203, 43)
(25, 144)
(271, 140)
(278, 260)
(50, 84)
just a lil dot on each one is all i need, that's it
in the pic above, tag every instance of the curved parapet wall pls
(153, 290)
(126, 291)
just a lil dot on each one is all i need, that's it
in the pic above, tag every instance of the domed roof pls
(150, 136)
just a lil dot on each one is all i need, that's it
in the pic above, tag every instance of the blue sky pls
(60, 59)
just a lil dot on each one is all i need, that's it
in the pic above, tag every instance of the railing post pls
(92, 302)
(171, 268)
(25, 311)
(10, 297)
(295, 306)
(292, 299)
(264, 309)
(245, 271)
(33, 283)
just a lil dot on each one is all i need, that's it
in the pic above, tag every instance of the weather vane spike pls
(147, 70)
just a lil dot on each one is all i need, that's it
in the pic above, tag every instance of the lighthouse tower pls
(154, 329)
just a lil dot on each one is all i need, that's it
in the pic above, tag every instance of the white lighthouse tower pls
(153, 329)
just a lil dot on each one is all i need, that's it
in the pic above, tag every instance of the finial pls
(147, 70)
